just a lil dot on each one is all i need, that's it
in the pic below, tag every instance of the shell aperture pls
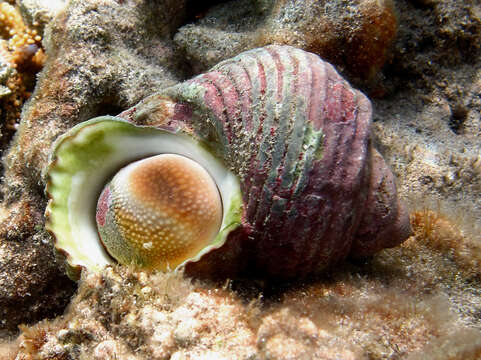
(84, 159)
(159, 211)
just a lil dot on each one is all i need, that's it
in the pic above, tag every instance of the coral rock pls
(354, 35)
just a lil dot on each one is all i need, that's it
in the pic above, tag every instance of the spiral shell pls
(297, 137)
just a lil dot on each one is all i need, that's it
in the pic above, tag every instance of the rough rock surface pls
(429, 122)
(21, 57)
(102, 57)
(354, 35)
(40, 12)
(419, 301)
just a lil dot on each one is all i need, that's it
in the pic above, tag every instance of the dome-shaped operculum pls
(86, 159)
(159, 211)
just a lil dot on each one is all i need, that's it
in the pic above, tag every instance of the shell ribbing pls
(298, 136)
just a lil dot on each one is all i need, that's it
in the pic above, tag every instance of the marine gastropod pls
(264, 163)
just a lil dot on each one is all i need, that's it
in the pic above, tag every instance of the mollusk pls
(283, 137)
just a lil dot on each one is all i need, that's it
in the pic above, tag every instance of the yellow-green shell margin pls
(85, 158)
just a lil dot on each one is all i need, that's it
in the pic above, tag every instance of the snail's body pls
(297, 137)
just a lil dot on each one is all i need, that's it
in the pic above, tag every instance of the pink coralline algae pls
(313, 187)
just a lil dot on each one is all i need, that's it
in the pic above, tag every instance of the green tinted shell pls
(85, 159)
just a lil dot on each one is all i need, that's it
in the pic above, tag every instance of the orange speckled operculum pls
(167, 208)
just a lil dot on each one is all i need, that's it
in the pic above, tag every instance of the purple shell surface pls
(298, 136)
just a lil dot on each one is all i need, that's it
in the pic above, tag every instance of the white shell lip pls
(86, 157)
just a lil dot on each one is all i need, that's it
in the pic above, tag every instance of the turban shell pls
(284, 143)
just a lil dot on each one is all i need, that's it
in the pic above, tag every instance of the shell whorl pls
(298, 137)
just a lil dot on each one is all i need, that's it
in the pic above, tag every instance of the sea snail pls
(263, 164)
